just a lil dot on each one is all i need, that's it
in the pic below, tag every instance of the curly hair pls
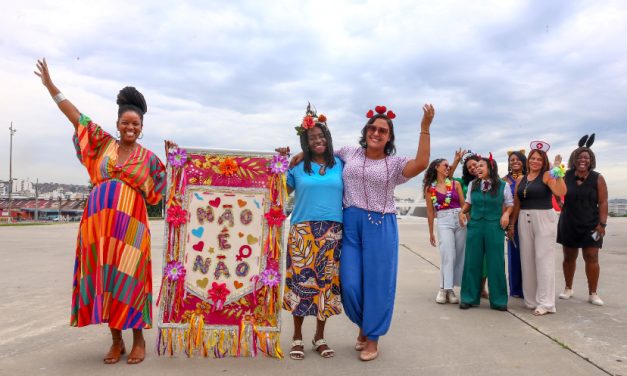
(389, 149)
(493, 177)
(572, 161)
(431, 174)
(467, 177)
(329, 159)
(130, 99)
(522, 158)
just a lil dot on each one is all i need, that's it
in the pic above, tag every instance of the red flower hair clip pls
(381, 111)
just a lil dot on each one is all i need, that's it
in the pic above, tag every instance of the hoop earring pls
(141, 135)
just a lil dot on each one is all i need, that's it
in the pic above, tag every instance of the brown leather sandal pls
(115, 352)
(134, 357)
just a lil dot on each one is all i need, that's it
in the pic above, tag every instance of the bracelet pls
(604, 225)
(424, 132)
(558, 172)
(59, 98)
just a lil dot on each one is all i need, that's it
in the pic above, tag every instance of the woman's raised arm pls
(64, 104)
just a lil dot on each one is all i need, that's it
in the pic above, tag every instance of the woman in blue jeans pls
(444, 199)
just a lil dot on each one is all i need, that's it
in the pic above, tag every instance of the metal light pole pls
(37, 201)
(12, 132)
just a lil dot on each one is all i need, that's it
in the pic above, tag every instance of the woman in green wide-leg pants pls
(489, 201)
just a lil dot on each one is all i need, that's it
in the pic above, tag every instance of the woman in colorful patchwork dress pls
(583, 219)
(517, 163)
(445, 199)
(112, 271)
(369, 259)
(489, 202)
(537, 227)
(312, 284)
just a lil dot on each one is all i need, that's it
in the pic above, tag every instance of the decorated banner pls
(221, 288)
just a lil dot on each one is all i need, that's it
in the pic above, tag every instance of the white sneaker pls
(441, 298)
(567, 294)
(450, 296)
(594, 299)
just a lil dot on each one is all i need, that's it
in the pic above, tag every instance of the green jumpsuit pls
(485, 239)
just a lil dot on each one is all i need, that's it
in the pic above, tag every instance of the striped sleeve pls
(159, 178)
(89, 140)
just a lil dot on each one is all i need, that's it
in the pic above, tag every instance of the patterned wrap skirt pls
(312, 283)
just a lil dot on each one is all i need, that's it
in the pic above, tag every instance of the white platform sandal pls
(328, 353)
(297, 354)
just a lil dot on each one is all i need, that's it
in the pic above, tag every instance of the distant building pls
(617, 207)
(4, 188)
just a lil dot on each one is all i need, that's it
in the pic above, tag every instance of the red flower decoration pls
(391, 115)
(177, 216)
(308, 122)
(370, 114)
(380, 109)
(218, 294)
(275, 216)
(322, 118)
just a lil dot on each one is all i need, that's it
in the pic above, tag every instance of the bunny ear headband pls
(509, 152)
(586, 141)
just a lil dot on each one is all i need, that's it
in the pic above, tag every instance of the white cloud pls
(239, 74)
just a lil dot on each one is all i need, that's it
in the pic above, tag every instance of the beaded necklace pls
(387, 181)
(447, 198)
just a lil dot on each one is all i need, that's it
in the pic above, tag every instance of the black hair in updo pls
(130, 99)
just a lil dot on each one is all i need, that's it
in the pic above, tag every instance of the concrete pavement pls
(426, 338)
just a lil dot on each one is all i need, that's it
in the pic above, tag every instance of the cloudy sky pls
(238, 75)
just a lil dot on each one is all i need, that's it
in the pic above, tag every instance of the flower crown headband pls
(381, 110)
(310, 119)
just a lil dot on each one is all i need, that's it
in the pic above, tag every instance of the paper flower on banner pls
(177, 157)
(270, 277)
(218, 294)
(227, 167)
(275, 216)
(175, 270)
(308, 122)
(177, 215)
(279, 164)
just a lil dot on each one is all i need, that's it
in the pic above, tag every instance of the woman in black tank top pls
(537, 226)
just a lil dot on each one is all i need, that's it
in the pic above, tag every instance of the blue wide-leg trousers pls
(368, 268)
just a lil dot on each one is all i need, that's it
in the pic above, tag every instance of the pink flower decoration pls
(177, 215)
(279, 164)
(275, 216)
(270, 277)
(175, 270)
(177, 157)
